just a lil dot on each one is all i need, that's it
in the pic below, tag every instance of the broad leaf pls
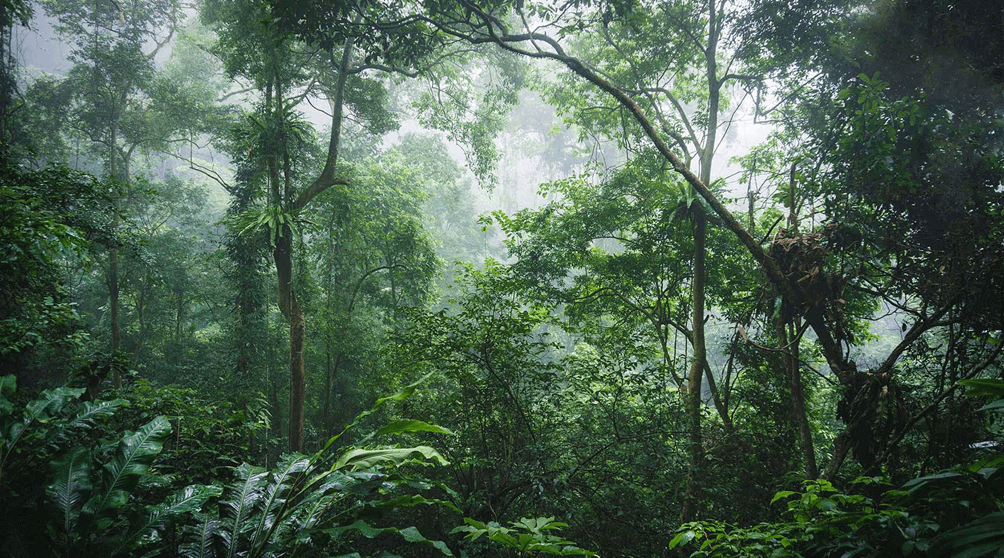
(275, 497)
(411, 425)
(364, 459)
(50, 402)
(135, 453)
(92, 412)
(410, 534)
(240, 506)
(70, 488)
(188, 500)
(202, 547)
(405, 393)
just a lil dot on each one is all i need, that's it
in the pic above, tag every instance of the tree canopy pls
(503, 278)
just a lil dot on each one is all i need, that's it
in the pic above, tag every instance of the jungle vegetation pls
(495, 278)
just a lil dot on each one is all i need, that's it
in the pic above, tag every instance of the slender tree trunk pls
(790, 355)
(113, 268)
(291, 310)
(693, 491)
(180, 314)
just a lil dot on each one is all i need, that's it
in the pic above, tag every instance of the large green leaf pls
(202, 547)
(981, 538)
(240, 505)
(364, 459)
(410, 534)
(70, 488)
(411, 425)
(275, 497)
(188, 500)
(50, 402)
(47, 404)
(135, 453)
(405, 393)
(93, 412)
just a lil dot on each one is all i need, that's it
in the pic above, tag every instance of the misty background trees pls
(502, 278)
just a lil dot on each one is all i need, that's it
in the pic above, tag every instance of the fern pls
(243, 500)
(202, 546)
(70, 487)
(135, 453)
(290, 469)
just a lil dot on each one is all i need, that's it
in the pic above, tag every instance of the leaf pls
(95, 411)
(405, 393)
(135, 453)
(682, 538)
(241, 504)
(983, 387)
(780, 495)
(982, 537)
(50, 402)
(995, 406)
(189, 500)
(69, 489)
(410, 425)
(364, 459)
(290, 467)
(410, 534)
(203, 545)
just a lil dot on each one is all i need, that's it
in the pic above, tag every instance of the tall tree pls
(255, 47)
(113, 53)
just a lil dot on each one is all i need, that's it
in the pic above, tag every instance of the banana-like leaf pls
(50, 402)
(70, 488)
(135, 453)
(188, 500)
(364, 459)
(411, 425)
(405, 393)
(410, 534)
(275, 497)
(92, 412)
(980, 538)
(240, 506)
(202, 547)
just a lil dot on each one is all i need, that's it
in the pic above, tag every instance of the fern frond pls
(135, 453)
(240, 506)
(69, 489)
(289, 470)
(203, 545)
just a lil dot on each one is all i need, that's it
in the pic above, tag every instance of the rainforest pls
(501, 278)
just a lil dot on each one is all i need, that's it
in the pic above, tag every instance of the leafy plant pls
(528, 536)
(310, 502)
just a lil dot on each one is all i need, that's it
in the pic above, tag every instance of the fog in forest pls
(498, 279)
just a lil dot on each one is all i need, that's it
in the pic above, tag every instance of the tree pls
(113, 69)
(509, 26)
(271, 60)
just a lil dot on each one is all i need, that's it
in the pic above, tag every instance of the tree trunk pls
(692, 492)
(291, 310)
(790, 355)
(113, 269)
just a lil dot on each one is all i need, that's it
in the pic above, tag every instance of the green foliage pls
(953, 513)
(46, 217)
(96, 503)
(528, 536)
